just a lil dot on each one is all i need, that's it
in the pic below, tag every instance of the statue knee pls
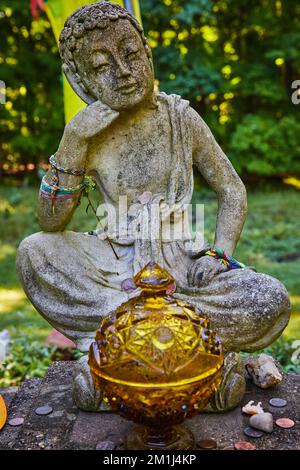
(29, 249)
(274, 296)
(25, 249)
(266, 301)
(28, 246)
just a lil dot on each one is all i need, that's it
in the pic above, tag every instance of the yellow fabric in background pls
(57, 12)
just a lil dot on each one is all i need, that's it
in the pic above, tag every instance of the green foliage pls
(25, 359)
(283, 351)
(264, 145)
(31, 121)
(235, 61)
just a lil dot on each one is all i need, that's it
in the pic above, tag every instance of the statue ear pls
(77, 85)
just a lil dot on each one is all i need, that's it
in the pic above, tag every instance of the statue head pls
(106, 56)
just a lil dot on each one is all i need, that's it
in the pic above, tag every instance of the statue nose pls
(122, 69)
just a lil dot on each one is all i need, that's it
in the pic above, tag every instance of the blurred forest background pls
(235, 60)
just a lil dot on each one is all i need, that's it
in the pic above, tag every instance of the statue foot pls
(231, 390)
(85, 395)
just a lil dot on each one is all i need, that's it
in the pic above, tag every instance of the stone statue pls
(141, 143)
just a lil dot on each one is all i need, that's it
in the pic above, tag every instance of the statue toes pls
(85, 395)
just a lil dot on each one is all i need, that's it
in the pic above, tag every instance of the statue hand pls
(90, 121)
(203, 270)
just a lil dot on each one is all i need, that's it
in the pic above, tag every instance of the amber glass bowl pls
(157, 362)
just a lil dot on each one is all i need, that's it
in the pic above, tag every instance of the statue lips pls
(127, 88)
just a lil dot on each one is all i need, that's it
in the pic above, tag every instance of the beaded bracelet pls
(53, 190)
(228, 261)
(46, 189)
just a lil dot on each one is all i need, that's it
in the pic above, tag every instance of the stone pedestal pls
(69, 428)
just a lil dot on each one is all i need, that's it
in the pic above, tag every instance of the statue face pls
(114, 66)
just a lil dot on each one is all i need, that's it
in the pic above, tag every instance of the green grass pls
(270, 241)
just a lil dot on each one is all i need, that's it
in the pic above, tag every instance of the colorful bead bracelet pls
(52, 190)
(228, 261)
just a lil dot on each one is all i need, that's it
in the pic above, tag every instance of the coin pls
(285, 423)
(106, 445)
(44, 410)
(278, 402)
(16, 421)
(250, 432)
(207, 444)
(244, 445)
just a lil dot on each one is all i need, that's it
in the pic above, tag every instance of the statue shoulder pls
(174, 100)
(178, 105)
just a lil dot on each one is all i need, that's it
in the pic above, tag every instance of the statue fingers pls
(192, 273)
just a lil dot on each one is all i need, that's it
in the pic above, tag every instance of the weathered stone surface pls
(8, 394)
(18, 405)
(140, 144)
(70, 428)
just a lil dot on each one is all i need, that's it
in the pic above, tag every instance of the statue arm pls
(222, 177)
(73, 152)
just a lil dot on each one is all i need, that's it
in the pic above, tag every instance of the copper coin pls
(207, 444)
(250, 432)
(16, 421)
(285, 423)
(106, 445)
(278, 402)
(44, 410)
(244, 445)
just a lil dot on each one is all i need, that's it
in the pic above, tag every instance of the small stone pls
(59, 340)
(263, 422)
(285, 423)
(106, 445)
(263, 371)
(44, 410)
(16, 422)
(71, 416)
(278, 402)
(207, 444)
(250, 432)
(128, 285)
(145, 197)
(244, 445)
(57, 414)
(251, 409)
(171, 289)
